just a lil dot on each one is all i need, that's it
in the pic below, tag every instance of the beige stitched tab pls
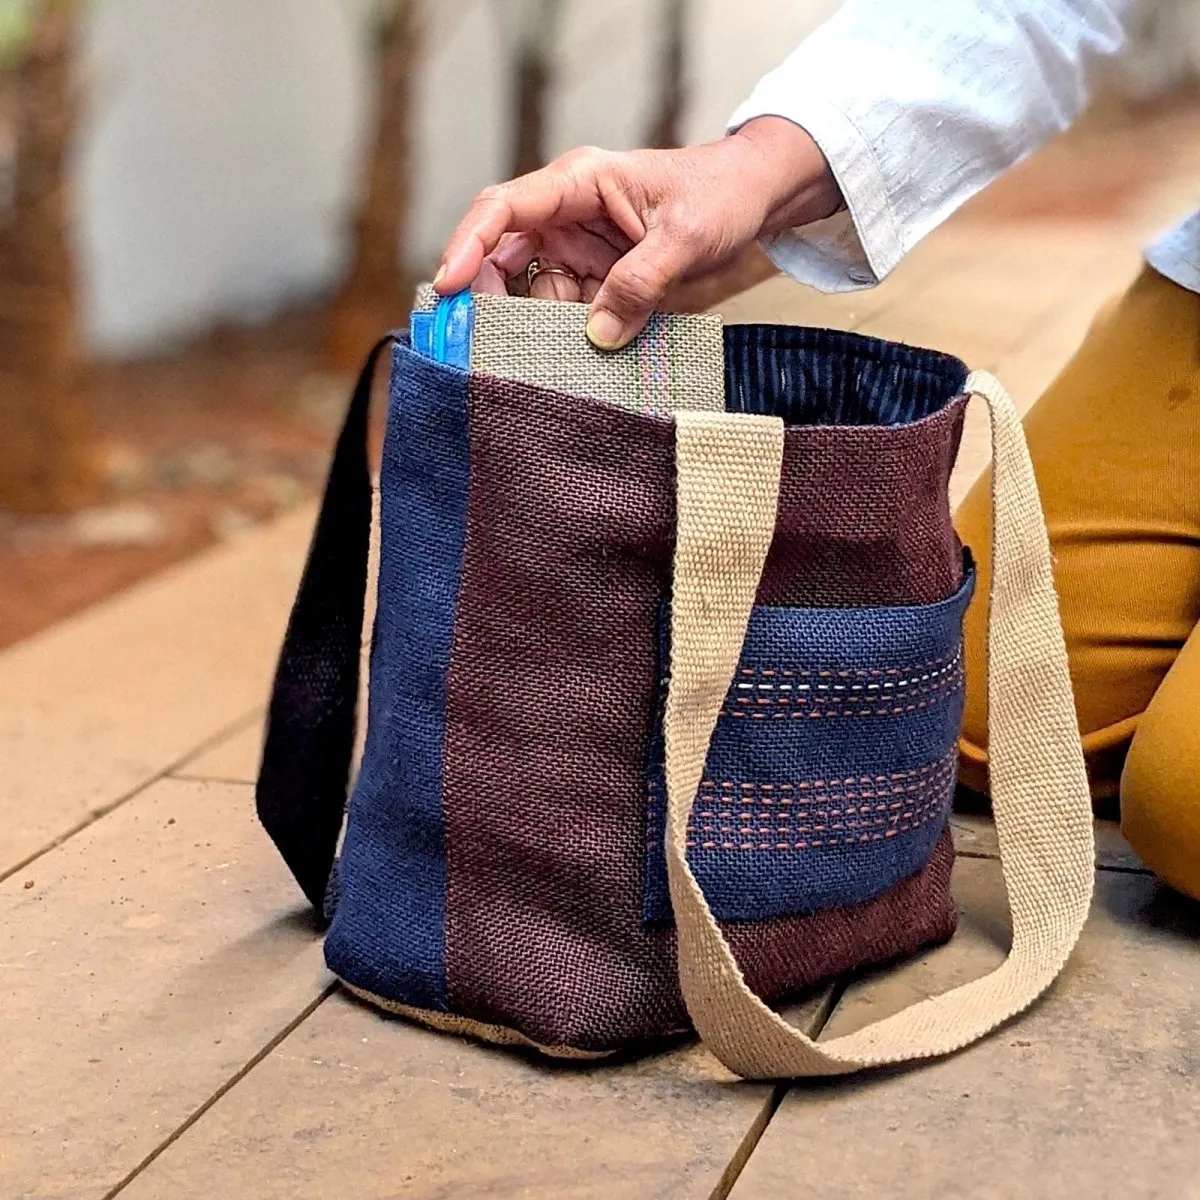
(677, 363)
(1039, 788)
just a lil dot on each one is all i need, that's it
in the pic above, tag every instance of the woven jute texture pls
(556, 652)
(1039, 788)
(677, 362)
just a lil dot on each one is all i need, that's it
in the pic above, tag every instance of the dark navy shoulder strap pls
(305, 771)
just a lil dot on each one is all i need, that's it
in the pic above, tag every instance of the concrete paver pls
(1095, 1092)
(144, 963)
(99, 706)
(353, 1104)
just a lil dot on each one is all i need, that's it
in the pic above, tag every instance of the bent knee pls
(1160, 799)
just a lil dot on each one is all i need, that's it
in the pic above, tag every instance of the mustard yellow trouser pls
(1116, 445)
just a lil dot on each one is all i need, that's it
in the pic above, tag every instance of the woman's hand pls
(629, 225)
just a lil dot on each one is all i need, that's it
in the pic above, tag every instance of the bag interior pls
(828, 377)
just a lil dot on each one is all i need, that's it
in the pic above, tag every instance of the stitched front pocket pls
(832, 768)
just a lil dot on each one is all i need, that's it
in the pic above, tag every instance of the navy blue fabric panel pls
(827, 377)
(388, 933)
(832, 767)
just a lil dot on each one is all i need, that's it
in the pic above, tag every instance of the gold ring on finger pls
(537, 267)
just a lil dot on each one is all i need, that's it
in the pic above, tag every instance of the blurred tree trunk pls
(666, 131)
(533, 70)
(44, 428)
(377, 293)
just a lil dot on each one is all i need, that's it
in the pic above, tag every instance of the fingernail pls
(441, 274)
(604, 330)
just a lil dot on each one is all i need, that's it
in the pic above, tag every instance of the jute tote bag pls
(665, 686)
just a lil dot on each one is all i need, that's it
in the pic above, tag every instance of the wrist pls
(787, 169)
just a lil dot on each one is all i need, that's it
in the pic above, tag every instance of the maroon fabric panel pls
(864, 517)
(550, 694)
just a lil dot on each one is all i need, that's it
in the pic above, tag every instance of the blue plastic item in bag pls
(443, 333)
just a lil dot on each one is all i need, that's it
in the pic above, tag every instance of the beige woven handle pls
(728, 478)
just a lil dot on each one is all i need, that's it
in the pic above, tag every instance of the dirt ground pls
(238, 429)
(189, 451)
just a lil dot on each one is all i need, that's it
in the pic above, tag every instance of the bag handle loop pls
(305, 771)
(1040, 794)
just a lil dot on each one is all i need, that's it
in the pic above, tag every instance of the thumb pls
(635, 287)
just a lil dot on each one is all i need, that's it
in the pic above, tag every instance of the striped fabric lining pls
(827, 377)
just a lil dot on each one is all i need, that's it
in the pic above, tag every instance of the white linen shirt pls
(919, 104)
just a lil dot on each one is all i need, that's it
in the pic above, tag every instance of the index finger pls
(566, 190)
(524, 204)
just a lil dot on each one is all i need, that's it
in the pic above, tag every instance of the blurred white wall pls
(461, 121)
(213, 162)
(223, 137)
(605, 92)
(737, 41)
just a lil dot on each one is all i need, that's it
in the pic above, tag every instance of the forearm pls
(919, 104)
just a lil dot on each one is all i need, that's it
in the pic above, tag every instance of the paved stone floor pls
(170, 1030)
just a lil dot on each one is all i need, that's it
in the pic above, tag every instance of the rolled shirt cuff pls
(854, 248)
